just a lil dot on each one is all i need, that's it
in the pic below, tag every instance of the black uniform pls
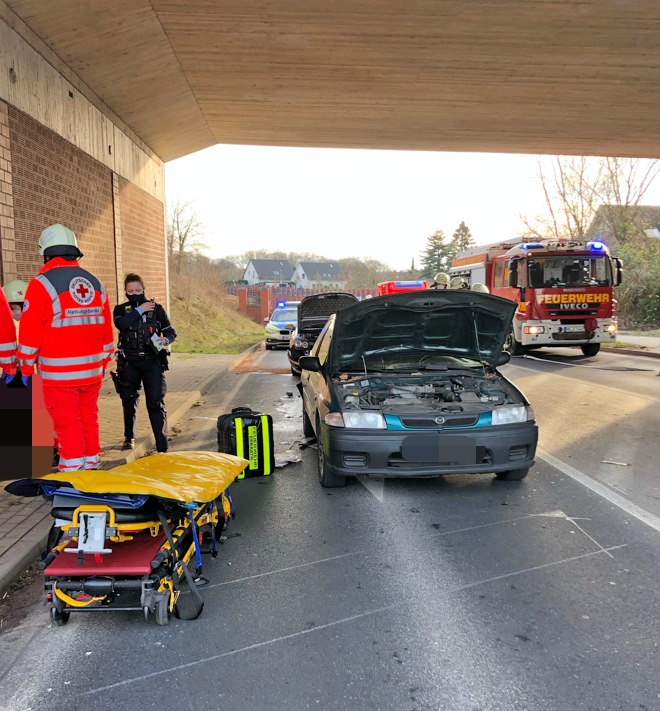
(138, 362)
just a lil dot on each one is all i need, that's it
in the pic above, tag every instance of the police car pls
(280, 324)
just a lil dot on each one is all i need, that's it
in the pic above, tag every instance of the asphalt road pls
(462, 593)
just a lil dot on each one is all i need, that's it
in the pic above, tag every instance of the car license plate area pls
(574, 329)
(432, 447)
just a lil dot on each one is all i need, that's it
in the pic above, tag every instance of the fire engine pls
(563, 288)
(395, 287)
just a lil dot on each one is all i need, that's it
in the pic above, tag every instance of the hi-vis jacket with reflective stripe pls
(65, 325)
(7, 337)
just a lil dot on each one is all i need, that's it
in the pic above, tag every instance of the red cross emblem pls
(82, 290)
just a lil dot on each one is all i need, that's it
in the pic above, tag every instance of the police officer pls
(145, 333)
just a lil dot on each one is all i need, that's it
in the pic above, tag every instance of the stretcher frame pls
(160, 588)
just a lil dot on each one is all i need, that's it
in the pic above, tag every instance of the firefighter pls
(458, 282)
(14, 291)
(480, 287)
(7, 341)
(66, 329)
(440, 281)
(145, 333)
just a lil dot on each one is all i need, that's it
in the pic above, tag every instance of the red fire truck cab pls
(563, 288)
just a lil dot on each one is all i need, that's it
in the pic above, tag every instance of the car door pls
(314, 386)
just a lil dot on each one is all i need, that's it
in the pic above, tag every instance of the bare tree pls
(575, 188)
(184, 232)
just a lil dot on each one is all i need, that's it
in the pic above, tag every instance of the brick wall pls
(8, 254)
(53, 181)
(142, 238)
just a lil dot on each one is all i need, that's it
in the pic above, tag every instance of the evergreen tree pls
(436, 257)
(461, 239)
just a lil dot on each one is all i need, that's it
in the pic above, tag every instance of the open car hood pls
(319, 307)
(426, 327)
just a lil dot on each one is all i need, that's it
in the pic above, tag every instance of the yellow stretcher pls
(132, 531)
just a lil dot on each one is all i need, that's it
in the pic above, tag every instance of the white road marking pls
(344, 620)
(282, 570)
(602, 490)
(374, 484)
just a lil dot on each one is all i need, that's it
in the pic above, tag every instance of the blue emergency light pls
(281, 304)
(596, 245)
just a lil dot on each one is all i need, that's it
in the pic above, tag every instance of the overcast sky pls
(353, 203)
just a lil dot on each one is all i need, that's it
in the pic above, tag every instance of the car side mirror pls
(309, 363)
(618, 274)
(504, 358)
(266, 319)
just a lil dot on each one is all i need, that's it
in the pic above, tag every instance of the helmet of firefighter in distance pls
(441, 280)
(457, 282)
(15, 291)
(480, 287)
(58, 241)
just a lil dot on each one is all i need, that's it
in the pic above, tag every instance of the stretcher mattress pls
(131, 558)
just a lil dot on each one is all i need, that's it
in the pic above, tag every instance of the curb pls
(631, 351)
(27, 550)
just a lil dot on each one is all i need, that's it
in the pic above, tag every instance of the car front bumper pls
(350, 452)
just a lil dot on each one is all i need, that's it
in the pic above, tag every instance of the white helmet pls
(58, 240)
(15, 291)
(457, 282)
(480, 287)
(441, 280)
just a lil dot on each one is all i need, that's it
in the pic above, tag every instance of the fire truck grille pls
(587, 312)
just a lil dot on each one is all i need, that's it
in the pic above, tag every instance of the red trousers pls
(75, 413)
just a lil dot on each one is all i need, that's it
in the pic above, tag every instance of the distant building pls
(268, 271)
(308, 275)
(609, 221)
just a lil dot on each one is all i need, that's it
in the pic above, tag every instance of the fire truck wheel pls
(514, 347)
(590, 349)
(512, 475)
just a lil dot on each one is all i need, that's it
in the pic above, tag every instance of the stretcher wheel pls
(163, 611)
(59, 617)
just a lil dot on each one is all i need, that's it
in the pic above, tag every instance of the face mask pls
(136, 299)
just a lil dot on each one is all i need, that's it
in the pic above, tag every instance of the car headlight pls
(356, 420)
(301, 344)
(511, 414)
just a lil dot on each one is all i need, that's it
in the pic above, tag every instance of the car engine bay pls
(446, 393)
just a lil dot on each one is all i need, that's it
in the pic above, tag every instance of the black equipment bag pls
(248, 434)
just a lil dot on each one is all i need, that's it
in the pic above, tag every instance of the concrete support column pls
(116, 209)
(8, 269)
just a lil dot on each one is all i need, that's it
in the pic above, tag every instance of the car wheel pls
(308, 430)
(514, 347)
(328, 479)
(590, 349)
(512, 475)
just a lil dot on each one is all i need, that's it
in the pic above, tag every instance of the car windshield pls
(568, 270)
(289, 315)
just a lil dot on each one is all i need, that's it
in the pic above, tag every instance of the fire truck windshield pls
(568, 270)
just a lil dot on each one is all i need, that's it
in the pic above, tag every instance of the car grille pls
(285, 332)
(396, 461)
(449, 421)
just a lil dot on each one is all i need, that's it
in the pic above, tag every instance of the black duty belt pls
(140, 356)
